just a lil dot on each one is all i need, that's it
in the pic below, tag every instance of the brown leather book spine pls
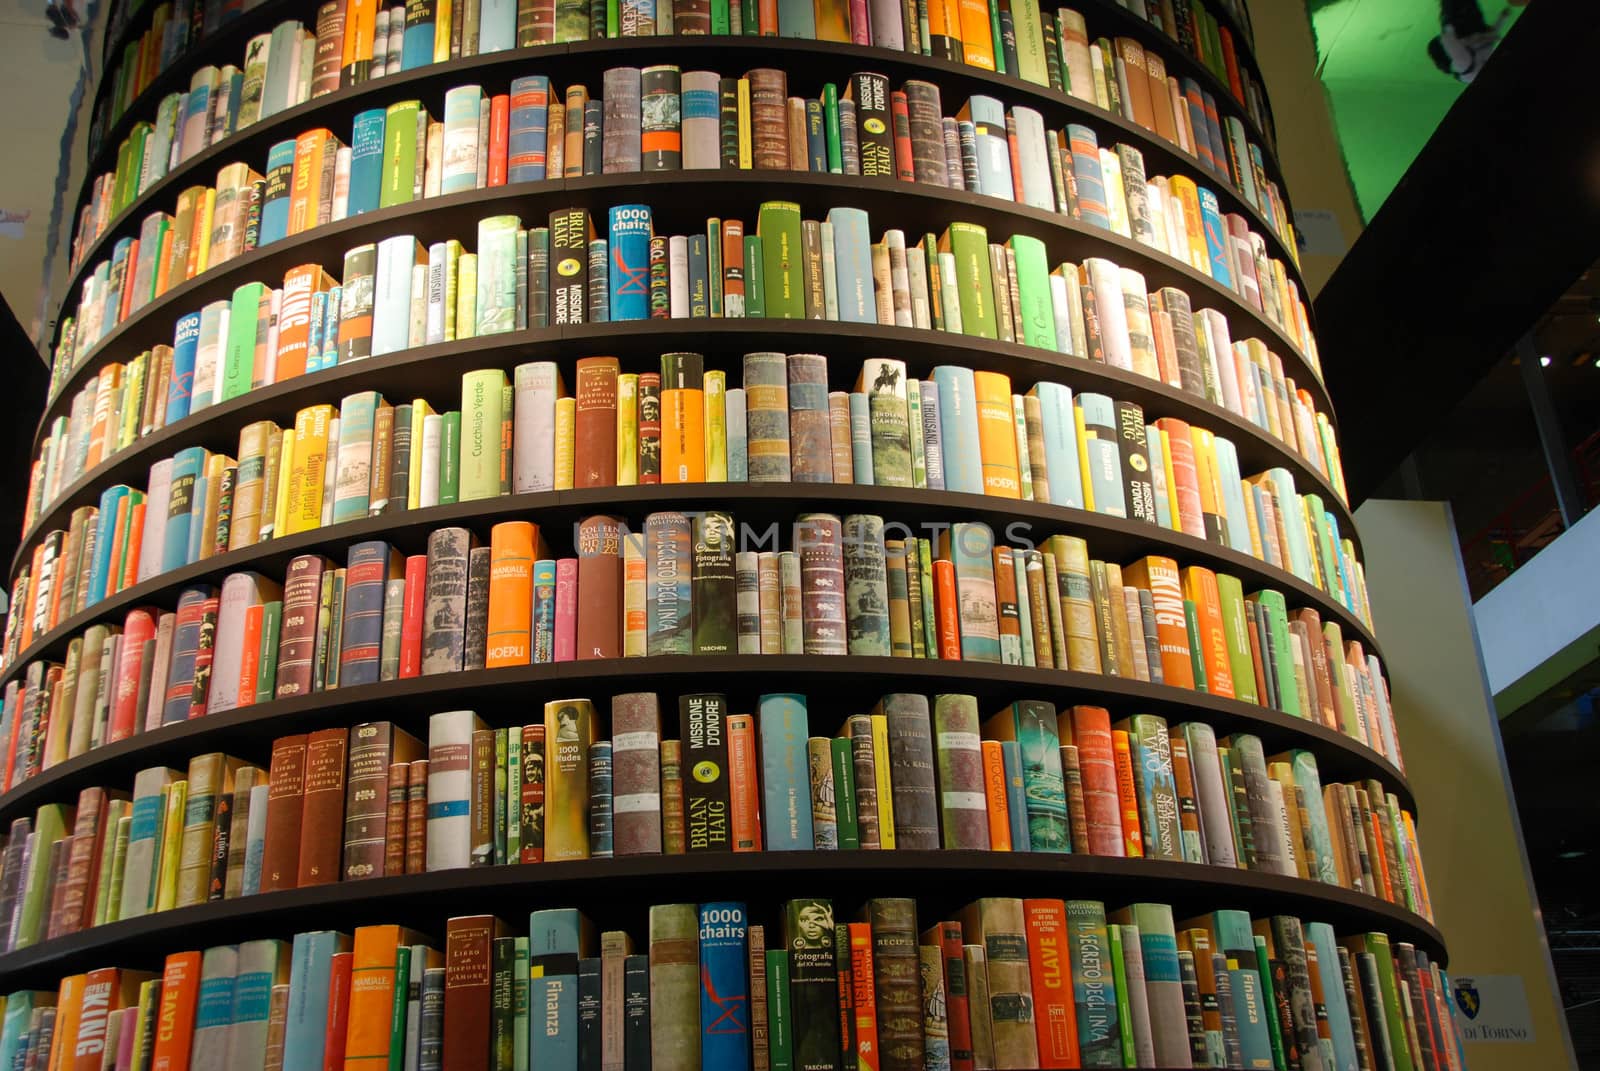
(297, 643)
(417, 818)
(769, 122)
(286, 799)
(595, 432)
(366, 803)
(636, 773)
(600, 582)
(468, 989)
(83, 862)
(323, 818)
(394, 828)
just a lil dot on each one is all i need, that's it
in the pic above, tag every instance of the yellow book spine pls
(420, 411)
(441, 31)
(216, 464)
(880, 768)
(452, 269)
(467, 296)
(207, 205)
(1083, 458)
(1172, 483)
(280, 498)
(171, 846)
(566, 431)
(569, 731)
(716, 422)
(997, 435)
(309, 469)
(1252, 521)
(746, 141)
(627, 429)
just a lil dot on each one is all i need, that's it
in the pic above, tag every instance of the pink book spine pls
(860, 28)
(125, 1039)
(566, 609)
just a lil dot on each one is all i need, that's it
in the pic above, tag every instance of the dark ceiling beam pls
(1493, 221)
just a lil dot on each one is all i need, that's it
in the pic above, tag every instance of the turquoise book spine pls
(544, 610)
(1043, 783)
(1319, 935)
(786, 772)
(555, 938)
(305, 1035)
(366, 164)
(1016, 796)
(1105, 457)
(958, 429)
(1094, 990)
(852, 265)
(1061, 445)
(861, 438)
(1308, 789)
(1216, 237)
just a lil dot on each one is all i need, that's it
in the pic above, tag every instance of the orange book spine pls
(865, 992)
(130, 567)
(743, 787)
(250, 654)
(306, 185)
(767, 21)
(69, 1007)
(994, 794)
(977, 40)
(997, 433)
(180, 991)
(510, 595)
(683, 436)
(1159, 576)
(339, 1012)
(371, 999)
(1132, 841)
(125, 305)
(164, 261)
(1200, 587)
(119, 535)
(1055, 1017)
(947, 610)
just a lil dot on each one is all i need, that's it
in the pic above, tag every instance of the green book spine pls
(1036, 311)
(1389, 985)
(240, 356)
(513, 800)
(1235, 630)
(1282, 654)
(844, 794)
(613, 18)
(974, 283)
(783, 260)
(267, 663)
(830, 128)
(119, 865)
(1191, 621)
(924, 567)
(780, 1039)
(399, 153)
(1119, 978)
(397, 1014)
(720, 17)
(1269, 1005)
(755, 278)
(996, 36)
(482, 393)
(501, 772)
(450, 458)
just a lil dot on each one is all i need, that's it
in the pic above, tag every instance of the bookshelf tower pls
(1165, 558)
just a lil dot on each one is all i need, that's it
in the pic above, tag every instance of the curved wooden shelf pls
(609, 890)
(683, 208)
(765, 503)
(575, 61)
(415, 371)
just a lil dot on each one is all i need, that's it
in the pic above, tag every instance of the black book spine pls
(808, 930)
(400, 467)
(593, 139)
(569, 266)
(589, 1014)
(1135, 453)
(502, 1005)
(1193, 1015)
(636, 1013)
(703, 731)
(715, 580)
(728, 115)
(874, 127)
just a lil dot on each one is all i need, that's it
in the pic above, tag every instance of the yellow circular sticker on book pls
(1139, 462)
(568, 267)
(706, 771)
(874, 125)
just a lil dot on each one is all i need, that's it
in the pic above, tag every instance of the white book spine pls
(432, 434)
(1105, 278)
(533, 458)
(155, 518)
(450, 789)
(1034, 157)
(269, 370)
(899, 281)
(255, 839)
(438, 267)
(830, 281)
(1144, 1046)
(917, 280)
(258, 970)
(391, 303)
(330, 473)
(238, 595)
(948, 296)
(678, 275)
(219, 968)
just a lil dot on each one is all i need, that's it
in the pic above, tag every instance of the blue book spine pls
(554, 937)
(305, 1035)
(528, 135)
(196, 104)
(202, 485)
(1216, 237)
(544, 610)
(319, 321)
(816, 137)
(497, 25)
(252, 997)
(861, 438)
(1105, 457)
(255, 849)
(1016, 795)
(932, 444)
(602, 837)
(19, 1012)
(185, 344)
(786, 773)
(366, 161)
(724, 986)
(1320, 936)
(1086, 170)
(852, 265)
(994, 149)
(416, 49)
(330, 332)
(361, 633)
(215, 1004)
(1238, 530)
(1061, 445)
(100, 572)
(275, 209)
(738, 436)
(1158, 475)
(629, 272)
(186, 468)
(958, 429)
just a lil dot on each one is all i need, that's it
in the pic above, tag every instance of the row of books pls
(395, 294)
(314, 179)
(641, 122)
(686, 587)
(911, 775)
(292, 64)
(958, 430)
(1003, 983)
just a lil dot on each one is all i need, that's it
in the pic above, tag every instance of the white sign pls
(1492, 1007)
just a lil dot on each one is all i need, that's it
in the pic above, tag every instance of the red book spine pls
(280, 863)
(1016, 159)
(595, 431)
(205, 654)
(742, 785)
(866, 995)
(900, 116)
(860, 23)
(137, 630)
(338, 1011)
(417, 818)
(533, 794)
(499, 137)
(468, 987)
(946, 609)
(411, 621)
(322, 824)
(957, 1000)
(1055, 1018)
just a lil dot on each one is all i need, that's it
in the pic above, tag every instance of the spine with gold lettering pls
(569, 729)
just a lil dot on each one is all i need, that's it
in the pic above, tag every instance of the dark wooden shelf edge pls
(829, 680)
(1258, 450)
(151, 324)
(429, 80)
(610, 886)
